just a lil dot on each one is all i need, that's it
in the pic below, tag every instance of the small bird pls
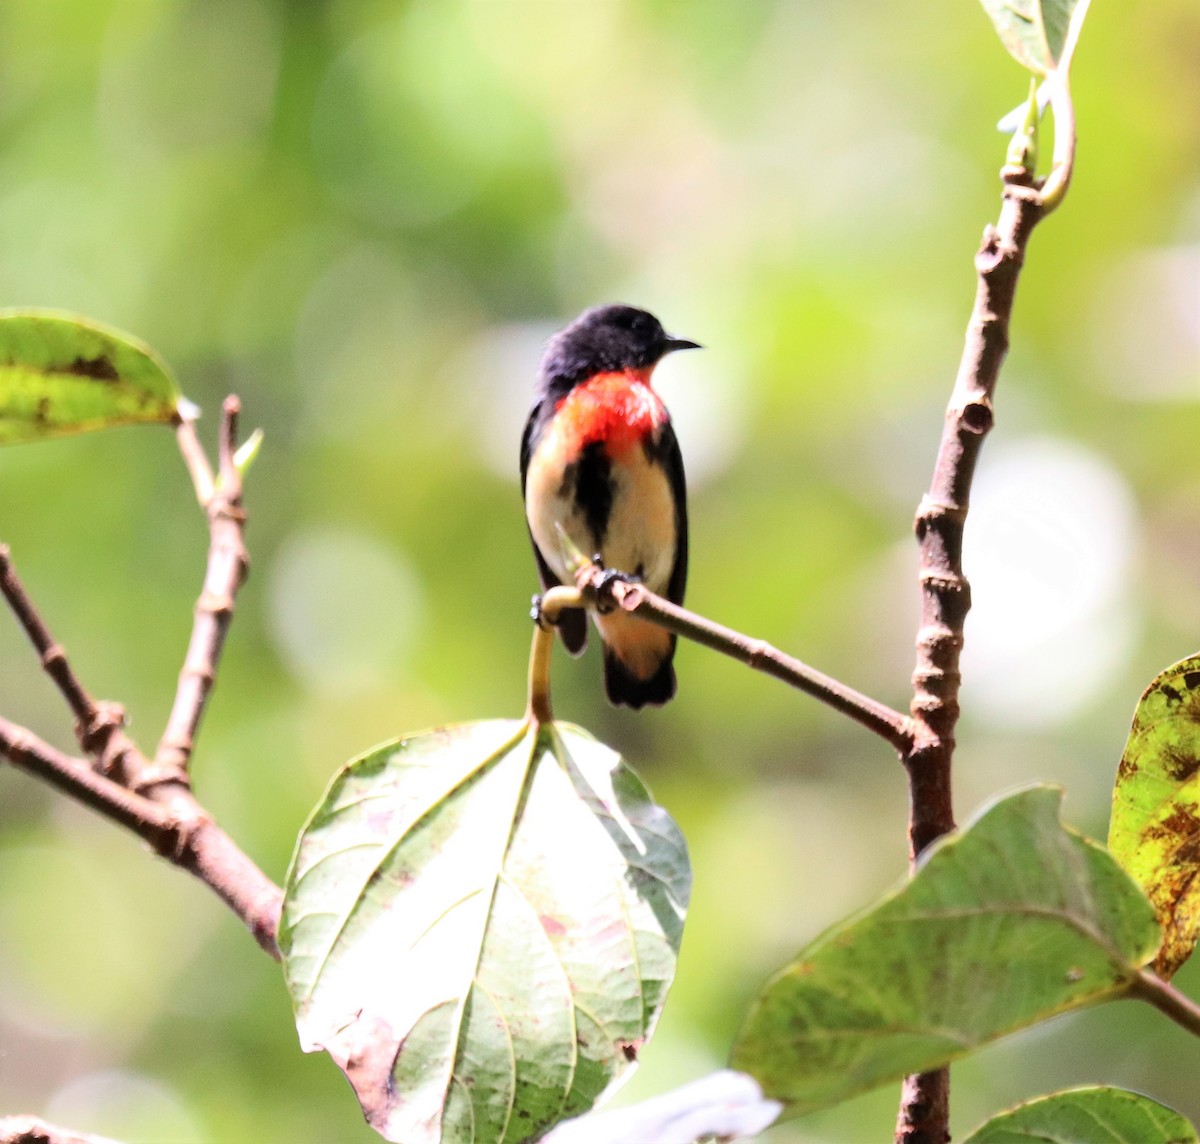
(599, 458)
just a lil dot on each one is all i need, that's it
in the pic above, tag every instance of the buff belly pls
(639, 537)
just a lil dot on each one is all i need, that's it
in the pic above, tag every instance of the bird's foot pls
(539, 617)
(610, 577)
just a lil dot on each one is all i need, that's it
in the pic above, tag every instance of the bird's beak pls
(672, 343)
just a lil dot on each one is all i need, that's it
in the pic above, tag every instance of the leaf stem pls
(1054, 189)
(1148, 986)
(546, 611)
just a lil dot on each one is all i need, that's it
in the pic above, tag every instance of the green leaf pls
(480, 926)
(1023, 147)
(247, 453)
(65, 374)
(1007, 923)
(1087, 1116)
(1037, 33)
(1155, 827)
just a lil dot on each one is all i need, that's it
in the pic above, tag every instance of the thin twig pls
(99, 726)
(53, 657)
(1148, 986)
(609, 591)
(224, 575)
(945, 592)
(196, 460)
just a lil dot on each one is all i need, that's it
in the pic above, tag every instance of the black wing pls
(672, 460)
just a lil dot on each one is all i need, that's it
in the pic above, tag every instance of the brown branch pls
(181, 831)
(76, 778)
(609, 591)
(224, 575)
(945, 592)
(154, 800)
(94, 722)
(196, 460)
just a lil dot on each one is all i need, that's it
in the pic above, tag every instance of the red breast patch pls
(619, 409)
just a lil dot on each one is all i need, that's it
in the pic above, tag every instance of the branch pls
(609, 591)
(95, 722)
(226, 572)
(1148, 986)
(76, 778)
(945, 592)
(182, 832)
(154, 800)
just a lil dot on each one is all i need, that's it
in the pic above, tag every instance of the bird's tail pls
(624, 688)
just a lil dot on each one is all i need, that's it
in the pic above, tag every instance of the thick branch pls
(609, 591)
(945, 592)
(181, 831)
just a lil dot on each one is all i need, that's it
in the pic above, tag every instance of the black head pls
(607, 339)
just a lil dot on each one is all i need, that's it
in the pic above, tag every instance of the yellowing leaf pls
(65, 374)
(1155, 827)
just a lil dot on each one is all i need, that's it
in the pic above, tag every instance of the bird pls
(600, 460)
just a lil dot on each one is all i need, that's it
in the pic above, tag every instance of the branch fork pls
(153, 797)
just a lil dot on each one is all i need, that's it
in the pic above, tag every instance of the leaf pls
(65, 374)
(1039, 34)
(1007, 923)
(1155, 827)
(726, 1105)
(1087, 1116)
(480, 926)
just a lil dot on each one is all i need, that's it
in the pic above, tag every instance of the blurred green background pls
(365, 218)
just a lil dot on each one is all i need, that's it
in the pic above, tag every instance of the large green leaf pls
(65, 374)
(1007, 923)
(1037, 33)
(480, 926)
(1155, 827)
(1087, 1116)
